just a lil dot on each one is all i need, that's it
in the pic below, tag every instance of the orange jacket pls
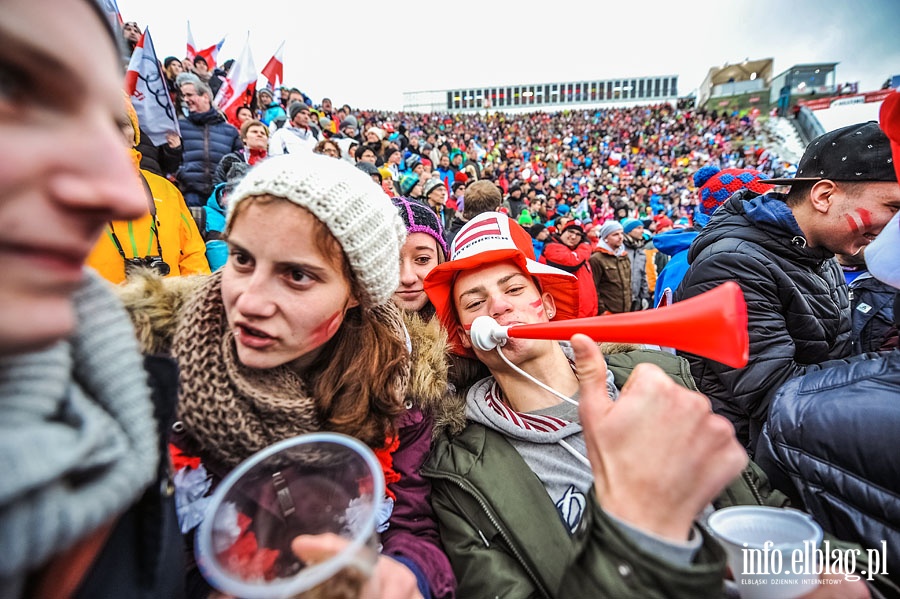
(182, 245)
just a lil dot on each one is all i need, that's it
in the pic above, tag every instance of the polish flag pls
(191, 46)
(210, 54)
(146, 84)
(274, 69)
(239, 87)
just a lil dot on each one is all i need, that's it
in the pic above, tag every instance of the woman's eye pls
(12, 83)
(423, 260)
(298, 276)
(240, 258)
(516, 289)
(473, 305)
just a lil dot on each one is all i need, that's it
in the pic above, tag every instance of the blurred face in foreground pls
(64, 170)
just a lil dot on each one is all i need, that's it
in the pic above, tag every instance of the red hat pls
(662, 223)
(890, 124)
(487, 239)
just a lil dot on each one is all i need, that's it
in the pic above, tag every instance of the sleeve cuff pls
(421, 581)
(677, 554)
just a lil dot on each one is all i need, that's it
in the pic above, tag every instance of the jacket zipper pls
(469, 489)
(207, 179)
(752, 485)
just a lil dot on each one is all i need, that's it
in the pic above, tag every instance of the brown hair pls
(320, 147)
(481, 196)
(356, 377)
(251, 123)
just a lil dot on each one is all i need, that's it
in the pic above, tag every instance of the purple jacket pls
(412, 536)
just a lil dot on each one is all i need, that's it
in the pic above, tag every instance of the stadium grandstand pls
(530, 97)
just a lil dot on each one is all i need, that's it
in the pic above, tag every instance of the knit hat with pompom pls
(716, 186)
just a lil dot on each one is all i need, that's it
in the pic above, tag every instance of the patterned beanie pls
(407, 182)
(419, 218)
(353, 208)
(716, 186)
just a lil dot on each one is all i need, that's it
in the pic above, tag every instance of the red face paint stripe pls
(536, 303)
(852, 222)
(865, 217)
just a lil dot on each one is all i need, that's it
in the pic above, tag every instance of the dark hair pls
(799, 192)
(361, 149)
(200, 59)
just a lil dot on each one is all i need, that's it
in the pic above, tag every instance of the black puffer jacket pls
(831, 441)
(797, 304)
(206, 137)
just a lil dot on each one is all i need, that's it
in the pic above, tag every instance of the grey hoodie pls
(551, 442)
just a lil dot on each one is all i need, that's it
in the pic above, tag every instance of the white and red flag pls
(191, 46)
(274, 69)
(239, 87)
(145, 83)
(111, 9)
(210, 54)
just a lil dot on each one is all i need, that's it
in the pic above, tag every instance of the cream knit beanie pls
(356, 211)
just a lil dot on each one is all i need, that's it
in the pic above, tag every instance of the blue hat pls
(630, 224)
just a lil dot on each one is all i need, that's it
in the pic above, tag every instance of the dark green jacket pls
(505, 539)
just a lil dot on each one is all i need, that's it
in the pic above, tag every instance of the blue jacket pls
(831, 441)
(216, 248)
(872, 310)
(272, 112)
(674, 243)
(206, 138)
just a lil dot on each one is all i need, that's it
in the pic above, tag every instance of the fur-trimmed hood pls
(155, 304)
(430, 383)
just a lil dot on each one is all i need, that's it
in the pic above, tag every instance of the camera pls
(154, 263)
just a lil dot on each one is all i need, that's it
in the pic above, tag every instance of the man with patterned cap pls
(780, 249)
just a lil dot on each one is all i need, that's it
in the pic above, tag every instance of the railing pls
(808, 125)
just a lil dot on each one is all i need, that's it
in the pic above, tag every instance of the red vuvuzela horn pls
(712, 325)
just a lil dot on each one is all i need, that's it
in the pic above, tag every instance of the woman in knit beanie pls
(424, 249)
(297, 334)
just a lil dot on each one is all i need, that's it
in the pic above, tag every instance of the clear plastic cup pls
(307, 485)
(771, 551)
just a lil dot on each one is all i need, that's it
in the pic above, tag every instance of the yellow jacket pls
(182, 245)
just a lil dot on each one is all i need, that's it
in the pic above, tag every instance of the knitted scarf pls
(78, 440)
(231, 411)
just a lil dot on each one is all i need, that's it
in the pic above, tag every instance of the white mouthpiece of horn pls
(486, 334)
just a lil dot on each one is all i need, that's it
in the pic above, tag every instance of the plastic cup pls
(307, 485)
(771, 551)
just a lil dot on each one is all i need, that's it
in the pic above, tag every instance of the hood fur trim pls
(155, 304)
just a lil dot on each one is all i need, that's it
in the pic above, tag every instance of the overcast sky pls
(367, 53)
